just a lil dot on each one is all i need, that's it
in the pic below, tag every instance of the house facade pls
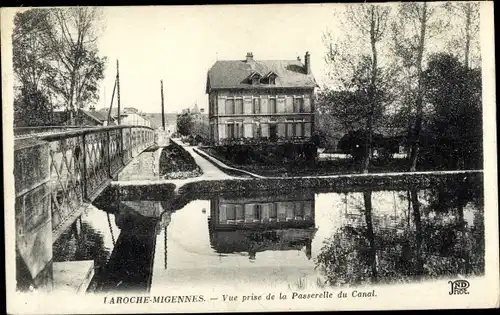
(261, 100)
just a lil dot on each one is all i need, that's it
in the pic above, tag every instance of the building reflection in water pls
(258, 224)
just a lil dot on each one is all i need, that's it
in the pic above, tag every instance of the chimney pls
(307, 63)
(92, 108)
(249, 57)
(298, 58)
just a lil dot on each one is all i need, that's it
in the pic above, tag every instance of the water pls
(302, 239)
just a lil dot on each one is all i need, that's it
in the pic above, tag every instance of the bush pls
(267, 153)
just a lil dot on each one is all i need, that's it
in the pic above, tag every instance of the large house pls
(263, 100)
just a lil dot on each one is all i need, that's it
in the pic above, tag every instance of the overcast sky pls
(179, 45)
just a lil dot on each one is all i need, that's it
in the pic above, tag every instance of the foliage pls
(268, 153)
(175, 162)
(454, 138)
(31, 54)
(354, 143)
(55, 54)
(185, 124)
(32, 108)
(79, 67)
(435, 243)
(360, 95)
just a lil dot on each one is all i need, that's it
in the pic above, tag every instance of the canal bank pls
(290, 240)
(174, 189)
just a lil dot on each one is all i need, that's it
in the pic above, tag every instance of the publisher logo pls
(459, 287)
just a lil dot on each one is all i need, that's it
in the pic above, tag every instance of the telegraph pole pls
(118, 89)
(162, 107)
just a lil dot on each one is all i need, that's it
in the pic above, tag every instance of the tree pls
(185, 124)
(364, 78)
(31, 108)
(79, 67)
(454, 93)
(33, 68)
(55, 58)
(468, 24)
(416, 23)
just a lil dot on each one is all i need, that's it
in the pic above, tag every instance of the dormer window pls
(255, 77)
(270, 78)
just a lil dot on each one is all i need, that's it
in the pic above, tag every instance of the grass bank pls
(319, 168)
(176, 163)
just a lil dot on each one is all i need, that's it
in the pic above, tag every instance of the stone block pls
(35, 248)
(31, 164)
(33, 209)
(73, 276)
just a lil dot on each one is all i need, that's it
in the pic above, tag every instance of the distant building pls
(83, 117)
(269, 100)
(157, 122)
(133, 119)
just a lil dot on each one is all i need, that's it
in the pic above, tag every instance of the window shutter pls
(265, 130)
(298, 130)
(229, 106)
(221, 102)
(280, 105)
(281, 130)
(238, 106)
(248, 130)
(289, 104)
(248, 106)
(289, 128)
(307, 104)
(222, 131)
(264, 105)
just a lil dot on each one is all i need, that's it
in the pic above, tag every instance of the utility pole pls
(162, 107)
(118, 89)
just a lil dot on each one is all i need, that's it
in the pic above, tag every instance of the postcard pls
(248, 158)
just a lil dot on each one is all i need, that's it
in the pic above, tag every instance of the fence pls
(83, 162)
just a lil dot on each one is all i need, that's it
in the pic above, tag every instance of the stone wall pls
(33, 213)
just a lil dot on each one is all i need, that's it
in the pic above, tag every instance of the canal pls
(289, 239)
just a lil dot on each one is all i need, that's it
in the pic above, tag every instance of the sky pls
(179, 44)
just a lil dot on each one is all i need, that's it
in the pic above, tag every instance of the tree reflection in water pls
(434, 239)
(87, 245)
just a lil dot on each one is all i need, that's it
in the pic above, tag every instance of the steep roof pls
(234, 74)
(95, 115)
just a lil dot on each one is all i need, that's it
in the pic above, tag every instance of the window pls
(272, 105)
(230, 213)
(273, 131)
(257, 212)
(255, 80)
(290, 129)
(256, 106)
(234, 130)
(229, 106)
(272, 80)
(230, 131)
(273, 211)
(298, 105)
(239, 106)
(257, 130)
